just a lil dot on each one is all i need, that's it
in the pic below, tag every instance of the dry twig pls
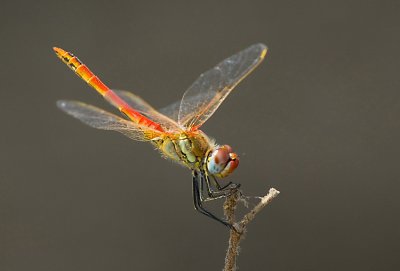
(240, 227)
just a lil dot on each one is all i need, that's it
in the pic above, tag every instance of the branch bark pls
(237, 234)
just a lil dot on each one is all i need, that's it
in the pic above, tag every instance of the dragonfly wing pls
(147, 110)
(172, 110)
(205, 95)
(100, 119)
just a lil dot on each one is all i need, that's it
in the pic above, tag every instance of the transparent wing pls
(172, 110)
(206, 94)
(147, 110)
(100, 119)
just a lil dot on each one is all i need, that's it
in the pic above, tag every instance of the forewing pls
(147, 110)
(100, 119)
(206, 94)
(172, 110)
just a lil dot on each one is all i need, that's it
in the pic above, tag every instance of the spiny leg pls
(201, 187)
(198, 201)
(205, 185)
(220, 188)
(211, 193)
(222, 191)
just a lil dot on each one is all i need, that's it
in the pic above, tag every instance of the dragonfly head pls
(222, 161)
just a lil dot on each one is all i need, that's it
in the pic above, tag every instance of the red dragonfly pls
(174, 130)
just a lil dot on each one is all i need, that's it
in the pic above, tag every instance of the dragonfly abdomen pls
(89, 77)
(82, 71)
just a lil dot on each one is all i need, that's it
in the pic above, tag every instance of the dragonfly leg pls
(211, 193)
(201, 184)
(219, 186)
(231, 185)
(197, 200)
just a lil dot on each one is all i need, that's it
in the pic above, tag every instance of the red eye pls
(221, 157)
(222, 161)
(227, 148)
(229, 168)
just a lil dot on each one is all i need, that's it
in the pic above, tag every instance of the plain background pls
(318, 120)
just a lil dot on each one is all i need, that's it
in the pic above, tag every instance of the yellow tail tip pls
(263, 53)
(59, 52)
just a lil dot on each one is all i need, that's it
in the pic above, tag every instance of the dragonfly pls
(175, 129)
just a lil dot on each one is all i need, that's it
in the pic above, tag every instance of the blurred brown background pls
(318, 120)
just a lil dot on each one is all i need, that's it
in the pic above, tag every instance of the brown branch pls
(237, 234)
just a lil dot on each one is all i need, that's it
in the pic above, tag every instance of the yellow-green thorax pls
(187, 148)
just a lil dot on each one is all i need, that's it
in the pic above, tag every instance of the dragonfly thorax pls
(188, 149)
(198, 152)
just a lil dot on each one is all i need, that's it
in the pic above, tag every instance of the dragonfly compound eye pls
(222, 161)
